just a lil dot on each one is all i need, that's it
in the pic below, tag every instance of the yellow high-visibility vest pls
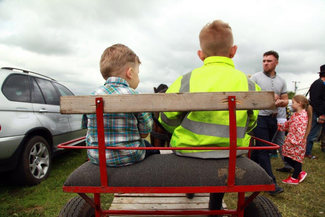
(209, 128)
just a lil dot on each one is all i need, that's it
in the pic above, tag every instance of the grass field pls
(306, 199)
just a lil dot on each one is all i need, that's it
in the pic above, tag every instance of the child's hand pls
(321, 119)
(144, 135)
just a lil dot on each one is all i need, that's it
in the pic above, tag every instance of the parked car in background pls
(31, 125)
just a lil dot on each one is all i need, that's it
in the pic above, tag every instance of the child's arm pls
(284, 126)
(145, 123)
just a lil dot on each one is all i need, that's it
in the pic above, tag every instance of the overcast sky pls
(65, 39)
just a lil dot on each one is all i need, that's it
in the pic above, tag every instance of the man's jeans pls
(279, 140)
(265, 129)
(313, 135)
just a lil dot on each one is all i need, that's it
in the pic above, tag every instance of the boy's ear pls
(233, 51)
(201, 55)
(128, 72)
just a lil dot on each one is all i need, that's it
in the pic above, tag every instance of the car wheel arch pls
(39, 131)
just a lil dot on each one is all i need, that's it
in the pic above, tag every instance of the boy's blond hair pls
(216, 39)
(115, 59)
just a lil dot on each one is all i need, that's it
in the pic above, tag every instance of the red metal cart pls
(242, 175)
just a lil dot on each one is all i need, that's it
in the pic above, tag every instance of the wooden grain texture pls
(167, 102)
(160, 201)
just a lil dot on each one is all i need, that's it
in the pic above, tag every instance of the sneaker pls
(277, 190)
(290, 181)
(302, 176)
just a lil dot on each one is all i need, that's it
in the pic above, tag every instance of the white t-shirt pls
(276, 84)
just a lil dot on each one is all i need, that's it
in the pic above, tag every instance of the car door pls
(74, 119)
(16, 113)
(46, 104)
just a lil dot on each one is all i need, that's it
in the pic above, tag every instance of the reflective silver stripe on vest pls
(210, 154)
(185, 83)
(251, 87)
(208, 129)
(171, 122)
(185, 87)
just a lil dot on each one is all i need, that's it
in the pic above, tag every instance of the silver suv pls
(31, 125)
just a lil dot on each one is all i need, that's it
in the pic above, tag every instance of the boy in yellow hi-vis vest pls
(218, 74)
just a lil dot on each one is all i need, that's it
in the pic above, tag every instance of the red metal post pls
(98, 210)
(232, 141)
(240, 201)
(101, 141)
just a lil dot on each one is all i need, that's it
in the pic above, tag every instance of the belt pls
(274, 115)
(271, 115)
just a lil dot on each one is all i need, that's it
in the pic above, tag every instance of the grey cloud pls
(42, 42)
(69, 36)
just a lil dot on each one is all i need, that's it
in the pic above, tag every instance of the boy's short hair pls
(273, 53)
(216, 38)
(115, 59)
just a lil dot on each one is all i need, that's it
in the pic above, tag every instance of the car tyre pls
(34, 164)
(77, 207)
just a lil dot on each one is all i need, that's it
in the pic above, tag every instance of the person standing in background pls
(317, 101)
(266, 127)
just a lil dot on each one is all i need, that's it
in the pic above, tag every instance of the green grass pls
(47, 199)
(304, 200)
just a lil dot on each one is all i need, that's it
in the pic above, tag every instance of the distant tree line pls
(291, 94)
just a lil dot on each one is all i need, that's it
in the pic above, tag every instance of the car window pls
(16, 88)
(63, 90)
(49, 93)
(37, 96)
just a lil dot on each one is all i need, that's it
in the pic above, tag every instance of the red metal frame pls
(231, 187)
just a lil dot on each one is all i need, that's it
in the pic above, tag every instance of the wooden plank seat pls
(170, 170)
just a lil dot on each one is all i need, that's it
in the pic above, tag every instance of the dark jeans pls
(265, 129)
(296, 165)
(150, 152)
(313, 134)
(279, 140)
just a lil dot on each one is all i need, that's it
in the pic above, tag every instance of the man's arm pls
(282, 101)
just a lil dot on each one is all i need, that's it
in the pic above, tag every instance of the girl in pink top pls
(294, 147)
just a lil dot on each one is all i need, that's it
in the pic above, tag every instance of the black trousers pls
(265, 129)
(215, 202)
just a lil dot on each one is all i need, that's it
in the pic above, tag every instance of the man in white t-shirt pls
(266, 128)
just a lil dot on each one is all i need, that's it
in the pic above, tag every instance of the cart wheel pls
(262, 207)
(77, 207)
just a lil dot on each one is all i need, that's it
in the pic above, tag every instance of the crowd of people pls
(119, 66)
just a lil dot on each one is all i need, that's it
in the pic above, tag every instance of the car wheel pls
(35, 162)
(77, 207)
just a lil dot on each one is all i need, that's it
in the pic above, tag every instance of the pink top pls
(294, 145)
